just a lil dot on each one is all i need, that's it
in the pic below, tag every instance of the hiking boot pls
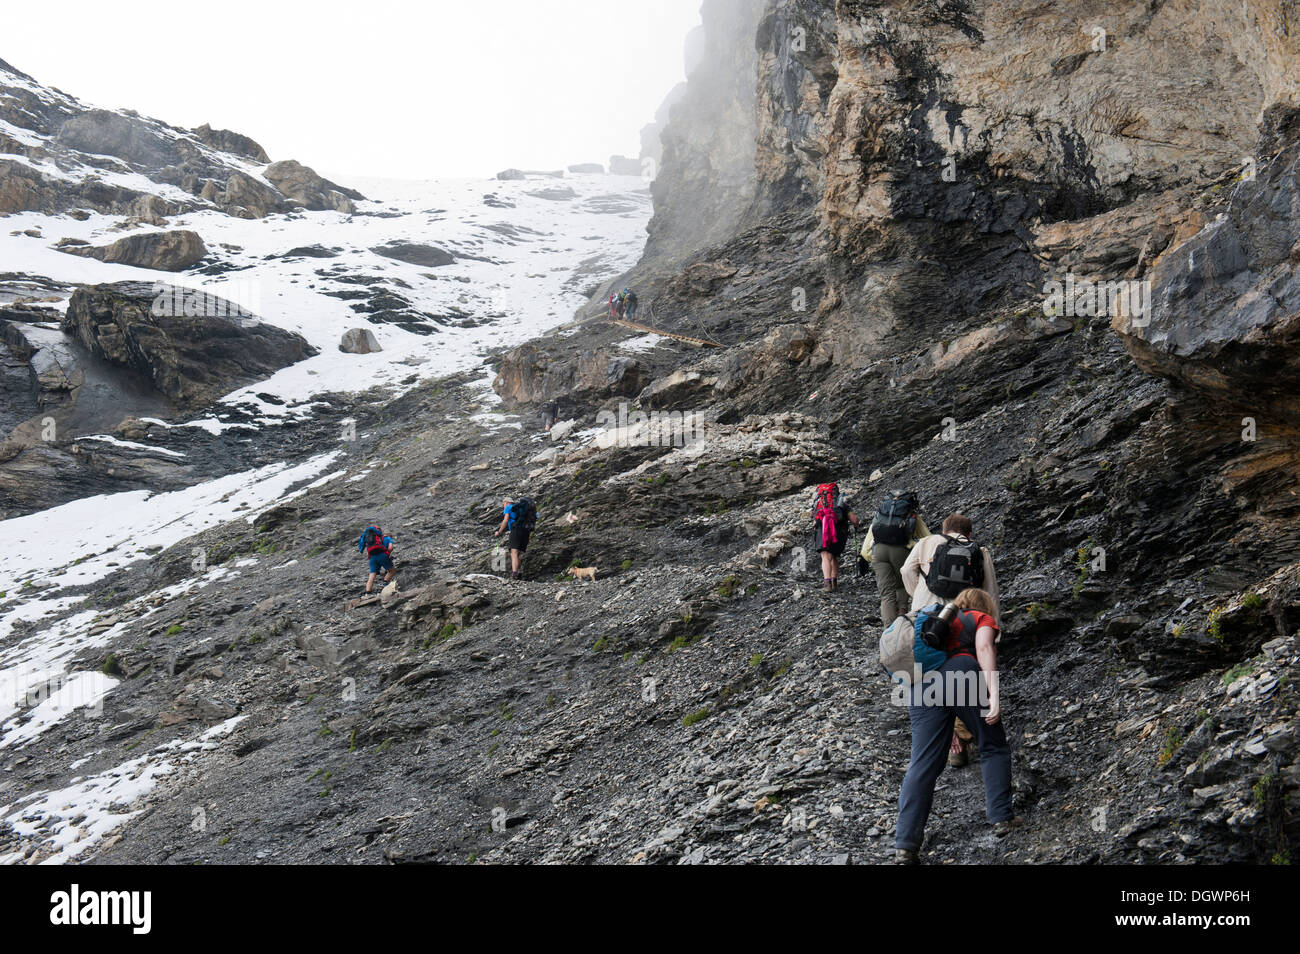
(1003, 828)
(956, 753)
(828, 585)
(514, 575)
(906, 856)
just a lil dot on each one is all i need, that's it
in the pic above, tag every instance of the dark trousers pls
(931, 735)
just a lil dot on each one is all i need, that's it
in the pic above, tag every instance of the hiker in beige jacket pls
(918, 565)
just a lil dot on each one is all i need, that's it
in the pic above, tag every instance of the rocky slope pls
(872, 246)
(57, 155)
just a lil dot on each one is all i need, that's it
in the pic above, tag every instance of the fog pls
(404, 90)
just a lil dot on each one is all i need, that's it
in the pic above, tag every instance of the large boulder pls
(242, 191)
(192, 359)
(304, 186)
(359, 341)
(172, 251)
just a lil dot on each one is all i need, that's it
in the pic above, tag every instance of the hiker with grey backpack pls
(895, 530)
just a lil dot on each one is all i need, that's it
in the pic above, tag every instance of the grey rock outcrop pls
(304, 186)
(172, 251)
(192, 360)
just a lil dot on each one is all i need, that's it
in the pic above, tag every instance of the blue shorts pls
(381, 563)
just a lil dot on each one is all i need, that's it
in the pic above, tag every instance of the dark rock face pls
(191, 360)
(172, 251)
(1225, 304)
(704, 182)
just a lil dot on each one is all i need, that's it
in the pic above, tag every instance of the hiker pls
(519, 517)
(615, 305)
(378, 547)
(832, 516)
(629, 304)
(550, 414)
(971, 647)
(894, 532)
(940, 567)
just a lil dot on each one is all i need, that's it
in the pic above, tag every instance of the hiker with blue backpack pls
(896, 529)
(946, 662)
(832, 517)
(377, 546)
(519, 517)
(938, 568)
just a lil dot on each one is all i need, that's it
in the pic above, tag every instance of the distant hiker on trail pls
(832, 516)
(938, 569)
(615, 305)
(519, 517)
(378, 547)
(629, 304)
(550, 414)
(956, 689)
(894, 532)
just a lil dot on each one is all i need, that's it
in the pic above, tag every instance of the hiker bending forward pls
(968, 678)
(930, 583)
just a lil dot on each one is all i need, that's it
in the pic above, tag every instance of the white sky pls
(373, 87)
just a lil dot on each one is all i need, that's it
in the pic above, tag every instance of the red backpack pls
(374, 541)
(824, 511)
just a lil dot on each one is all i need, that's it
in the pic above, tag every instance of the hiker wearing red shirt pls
(956, 689)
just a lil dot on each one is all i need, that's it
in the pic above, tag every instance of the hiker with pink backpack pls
(832, 517)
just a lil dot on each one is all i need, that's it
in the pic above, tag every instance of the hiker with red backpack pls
(832, 517)
(938, 569)
(896, 529)
(966, 632)
(520, 518)
(378, 547)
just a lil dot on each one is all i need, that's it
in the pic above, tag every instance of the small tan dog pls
(583, 573)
